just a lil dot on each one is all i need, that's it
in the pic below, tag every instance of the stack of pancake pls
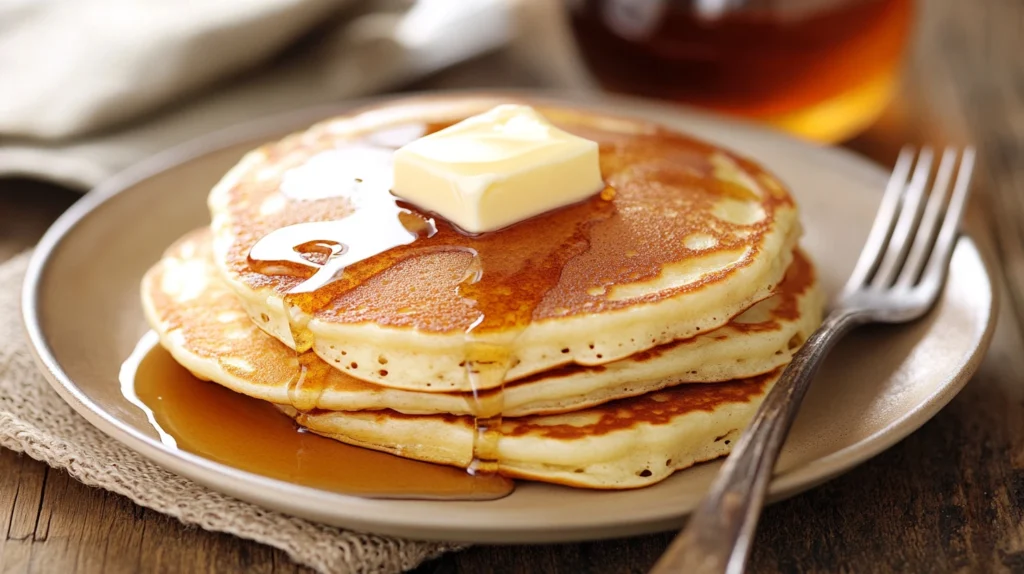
(605, 344)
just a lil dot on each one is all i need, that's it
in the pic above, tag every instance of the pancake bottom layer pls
(628, 443)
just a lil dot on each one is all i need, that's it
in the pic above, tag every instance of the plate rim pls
(258, 489)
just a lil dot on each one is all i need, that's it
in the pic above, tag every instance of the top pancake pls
(687, 236)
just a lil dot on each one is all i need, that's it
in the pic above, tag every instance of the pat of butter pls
(497, 168)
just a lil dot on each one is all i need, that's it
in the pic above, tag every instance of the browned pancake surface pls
(662, 190)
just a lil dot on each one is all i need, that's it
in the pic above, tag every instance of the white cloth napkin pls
(88, 87)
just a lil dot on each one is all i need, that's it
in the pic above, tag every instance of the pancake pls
(628, 443)
(202, 324)
(686, 236)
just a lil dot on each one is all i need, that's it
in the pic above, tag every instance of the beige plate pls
(82, 311)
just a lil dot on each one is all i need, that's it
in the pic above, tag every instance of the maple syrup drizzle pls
(243, 432)
(377, 224)
(337, 255)
(486, 367)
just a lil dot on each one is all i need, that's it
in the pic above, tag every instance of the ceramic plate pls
(82, 311)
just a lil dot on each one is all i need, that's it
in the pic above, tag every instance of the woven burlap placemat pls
(36, 421)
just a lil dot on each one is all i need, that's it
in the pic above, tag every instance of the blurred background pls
(90, 87)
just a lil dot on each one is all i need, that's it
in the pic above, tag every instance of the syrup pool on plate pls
(214, 422)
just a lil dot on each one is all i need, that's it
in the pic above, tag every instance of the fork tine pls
(906, 225)
(884, 220)
(935, 271)
(933, 213)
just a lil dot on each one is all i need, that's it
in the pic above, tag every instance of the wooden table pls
(949, 497)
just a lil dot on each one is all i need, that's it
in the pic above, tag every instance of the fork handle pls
(718, 535)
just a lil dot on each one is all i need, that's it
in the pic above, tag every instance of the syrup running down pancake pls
(205, 328)
(625, 443)
(685, 237)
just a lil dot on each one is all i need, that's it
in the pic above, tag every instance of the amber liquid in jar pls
(823, 69)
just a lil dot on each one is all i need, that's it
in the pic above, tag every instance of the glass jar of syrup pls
(822, 69)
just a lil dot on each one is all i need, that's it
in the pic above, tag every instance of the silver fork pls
(897, 279)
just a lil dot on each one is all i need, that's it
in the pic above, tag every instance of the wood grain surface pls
(949, 497)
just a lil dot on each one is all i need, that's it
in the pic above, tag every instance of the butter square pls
(497, 168)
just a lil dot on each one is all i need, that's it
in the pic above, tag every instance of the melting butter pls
(497, 168)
